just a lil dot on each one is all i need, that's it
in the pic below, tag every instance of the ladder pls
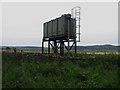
(75, 14)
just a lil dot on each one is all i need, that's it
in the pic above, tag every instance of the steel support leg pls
(61, 48)
(75, 47)
(48, 47)
(55, 46)
(43, 47)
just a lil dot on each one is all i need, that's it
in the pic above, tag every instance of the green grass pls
(25, 71)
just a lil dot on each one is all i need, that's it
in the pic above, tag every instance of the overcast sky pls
(22, 23)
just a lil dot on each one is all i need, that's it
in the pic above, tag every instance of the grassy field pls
(25, 70)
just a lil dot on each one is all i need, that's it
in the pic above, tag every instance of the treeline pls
(11, 49)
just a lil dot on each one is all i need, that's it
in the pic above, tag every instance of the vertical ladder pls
(75, 13)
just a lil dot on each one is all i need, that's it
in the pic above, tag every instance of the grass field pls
(24, 70)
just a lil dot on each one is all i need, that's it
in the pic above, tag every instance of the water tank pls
(58, 28)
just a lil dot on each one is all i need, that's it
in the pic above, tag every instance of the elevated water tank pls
(58, 28)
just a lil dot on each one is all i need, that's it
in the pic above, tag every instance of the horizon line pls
(45, 46)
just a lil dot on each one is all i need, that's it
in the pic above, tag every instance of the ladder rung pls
(77, 12)
(77, 26)
(78, 33)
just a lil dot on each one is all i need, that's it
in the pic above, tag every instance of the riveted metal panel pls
(50, 29)
(72, 28)
(61, 26)
(54, 25)
(45, 26)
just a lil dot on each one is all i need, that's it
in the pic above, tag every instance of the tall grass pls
(26, 71)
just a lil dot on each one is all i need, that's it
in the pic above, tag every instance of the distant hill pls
(99, 48)
(33, 48)
(83, 48)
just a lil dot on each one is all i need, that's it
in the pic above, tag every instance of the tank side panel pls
(55, 28)
(61, 26)
(45, 30)
(72, 28)
(65, 27)
(50, 29)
